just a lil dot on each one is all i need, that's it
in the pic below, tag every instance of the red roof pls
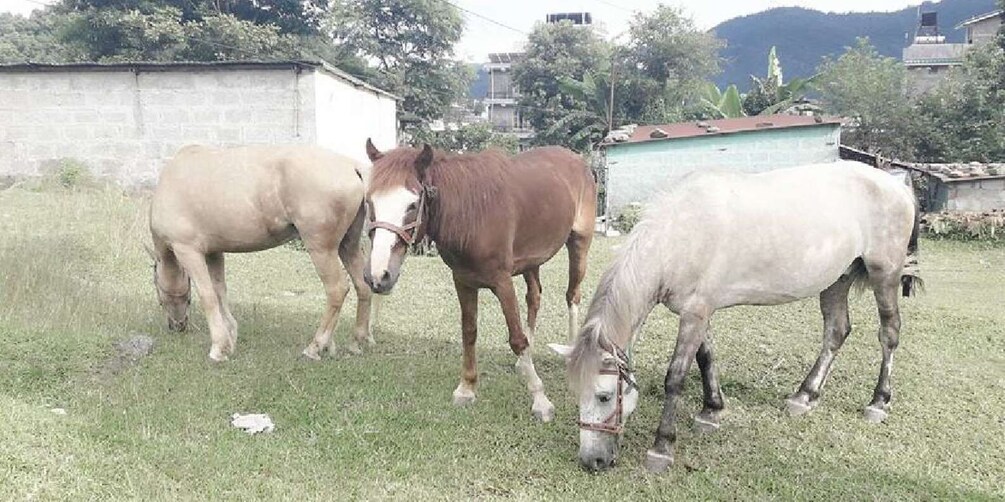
(723, 126)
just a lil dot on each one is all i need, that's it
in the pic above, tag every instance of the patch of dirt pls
(127, 353)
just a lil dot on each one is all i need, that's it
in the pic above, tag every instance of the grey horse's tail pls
(910, 280)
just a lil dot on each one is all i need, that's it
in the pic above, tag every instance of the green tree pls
(410, 43)
(467, 138)
(869, 89)
(661, 71)
(964, 117)
(772, 94)
(555, 53)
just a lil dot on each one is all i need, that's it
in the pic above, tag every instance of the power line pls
(486, 18)
(39, 3)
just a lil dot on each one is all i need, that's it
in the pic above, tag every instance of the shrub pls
(629, 217)
(987, 226)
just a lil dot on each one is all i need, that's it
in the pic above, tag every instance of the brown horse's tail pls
(910, 280)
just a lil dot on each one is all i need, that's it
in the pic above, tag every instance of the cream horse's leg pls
(195, 263)
(329, 268)
(354, 260)
(215, 263)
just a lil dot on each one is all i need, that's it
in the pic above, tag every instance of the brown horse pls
(492, 217)
(236, 200)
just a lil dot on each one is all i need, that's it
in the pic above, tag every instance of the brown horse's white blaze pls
(716, 240)
(491, 217)
(212, 201)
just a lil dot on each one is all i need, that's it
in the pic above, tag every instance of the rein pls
(403, 231)
(613, 423)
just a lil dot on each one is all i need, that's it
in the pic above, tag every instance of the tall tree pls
(663, 67)
(410, 44)
(964, 117)
(556, 52)
(869, 89)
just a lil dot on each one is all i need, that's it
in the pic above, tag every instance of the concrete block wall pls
(639, 171)
(970, 195)
(124, 124)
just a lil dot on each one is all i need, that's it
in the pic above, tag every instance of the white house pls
(123, 120)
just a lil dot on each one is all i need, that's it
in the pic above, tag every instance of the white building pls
(123, 120)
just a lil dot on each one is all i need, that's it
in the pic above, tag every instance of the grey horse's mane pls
(627, 292)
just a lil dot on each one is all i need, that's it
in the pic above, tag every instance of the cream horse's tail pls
(910, 279)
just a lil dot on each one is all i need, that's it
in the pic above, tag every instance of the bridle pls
(613, 423)
(427, 192)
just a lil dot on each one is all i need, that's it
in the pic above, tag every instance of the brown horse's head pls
(174, 291)
(398, 200)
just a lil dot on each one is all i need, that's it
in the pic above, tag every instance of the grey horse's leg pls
(692, 334)
(889, 336)
(837, 326)
(713, 403)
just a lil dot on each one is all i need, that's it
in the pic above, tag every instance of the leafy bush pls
(629, 217)
(989, 226)
(72, 173)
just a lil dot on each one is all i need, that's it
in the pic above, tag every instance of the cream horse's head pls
(174, 290)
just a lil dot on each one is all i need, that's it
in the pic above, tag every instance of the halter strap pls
(403, 231)
(613, 423)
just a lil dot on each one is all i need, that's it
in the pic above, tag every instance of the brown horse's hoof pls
(354, 348)
(312, 353)
(658, 463)
(464, 398)
(875, 415)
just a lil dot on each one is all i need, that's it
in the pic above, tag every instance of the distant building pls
(501, 99)
(929, 57)
(982, 29)
(577, 18)
(641, 161)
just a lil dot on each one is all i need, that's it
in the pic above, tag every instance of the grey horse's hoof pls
(707, 422)
(657, 463)
(874, 415)
(797, 407)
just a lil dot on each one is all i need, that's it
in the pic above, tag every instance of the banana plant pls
(725, 104)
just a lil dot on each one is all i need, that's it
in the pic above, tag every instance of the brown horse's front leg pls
(468, 297)
(542, 408)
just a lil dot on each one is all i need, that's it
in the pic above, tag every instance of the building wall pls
(969, 195)
(502, 117)
(922, 79)
(345, 117)
(638, 171)
(984, 31)
(124, 125)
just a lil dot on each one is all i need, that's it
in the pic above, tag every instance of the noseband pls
(613, 423)
(427, 192)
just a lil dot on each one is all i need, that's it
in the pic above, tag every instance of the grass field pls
(74, 280)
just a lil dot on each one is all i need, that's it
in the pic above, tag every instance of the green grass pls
(380, 426)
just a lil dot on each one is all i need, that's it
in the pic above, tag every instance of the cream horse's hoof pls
(657, 463)
(313, 352)
(217, 355)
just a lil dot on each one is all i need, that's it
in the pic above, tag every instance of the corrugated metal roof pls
(150, 66)
(643, 134)
(977, 19)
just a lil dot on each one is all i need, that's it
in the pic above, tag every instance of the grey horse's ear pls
(423, 161)
(372, 151)
(563, 350)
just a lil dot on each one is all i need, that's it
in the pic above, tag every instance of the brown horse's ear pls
(372, 151)
(423, 161)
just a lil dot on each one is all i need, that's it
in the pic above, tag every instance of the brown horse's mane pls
(467, 186)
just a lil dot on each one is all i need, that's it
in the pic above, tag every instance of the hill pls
(803, 36)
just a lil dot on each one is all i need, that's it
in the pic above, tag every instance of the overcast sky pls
(482, 36)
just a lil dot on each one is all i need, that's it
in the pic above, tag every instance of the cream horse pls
(211, 201)
(717, 240)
